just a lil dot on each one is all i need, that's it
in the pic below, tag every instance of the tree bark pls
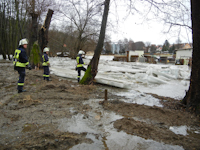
(43, 33)
(3, 25)
(91, 71)
(192, 98)
(34, 31)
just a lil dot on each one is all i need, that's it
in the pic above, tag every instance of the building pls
(134, 55)
(184, 55)
(115, 48)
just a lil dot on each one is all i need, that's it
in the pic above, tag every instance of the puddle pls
(139, 98)
(77, 124)
(96, 145)
(123, 141)
(98, 123)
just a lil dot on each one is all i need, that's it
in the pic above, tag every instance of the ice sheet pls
(162, 79)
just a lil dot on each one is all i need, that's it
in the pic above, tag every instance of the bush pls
(35, 58)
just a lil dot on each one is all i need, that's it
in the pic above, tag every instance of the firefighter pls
(20, 62)
(46, 64)
(80, 63)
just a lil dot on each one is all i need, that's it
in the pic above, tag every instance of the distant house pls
(184, 55)
(130, 56)
(133, 55)
(158, 49)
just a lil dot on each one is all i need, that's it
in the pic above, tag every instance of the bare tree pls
(58, 40)
(3, 28)
(131, 44)
(153, 48)
(148, 46)
(15, 16)
(36, 9)
(13, 22)
(173, 14)
(43, 34)
(83, 17)
(108, 49)
(192, 98)
(178, 43)
(93, 66)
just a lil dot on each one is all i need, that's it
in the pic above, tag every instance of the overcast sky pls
(136, 28)
(148, 32)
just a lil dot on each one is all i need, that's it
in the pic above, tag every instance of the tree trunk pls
(3, 29)
(43, 33)
(34, 31)
(192, 98)
(91, 71)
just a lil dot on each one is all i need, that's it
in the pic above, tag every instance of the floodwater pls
(133, 96)
(98, 124)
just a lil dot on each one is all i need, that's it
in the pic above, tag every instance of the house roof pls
(135, 50)
(184, 49)
(187, 46)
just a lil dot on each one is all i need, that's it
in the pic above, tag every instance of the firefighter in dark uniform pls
(80, 63)
(20, 63)
(46, 64)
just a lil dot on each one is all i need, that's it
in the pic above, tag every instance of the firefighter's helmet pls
(46, 49)
(23, 42)
(81, 52)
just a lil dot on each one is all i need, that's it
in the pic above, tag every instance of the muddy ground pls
(29, 120)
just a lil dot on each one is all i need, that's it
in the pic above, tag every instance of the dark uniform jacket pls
(20, 57)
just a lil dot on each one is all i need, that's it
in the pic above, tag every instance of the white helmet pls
(46, 49)
(81, 52)
(23, 42)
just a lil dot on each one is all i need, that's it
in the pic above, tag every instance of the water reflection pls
(98, 123)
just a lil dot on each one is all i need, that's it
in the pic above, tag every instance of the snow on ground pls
(139, 78)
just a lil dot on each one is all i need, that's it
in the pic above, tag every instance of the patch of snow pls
(182, 130)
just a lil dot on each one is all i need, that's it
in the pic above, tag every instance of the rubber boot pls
(20, 91)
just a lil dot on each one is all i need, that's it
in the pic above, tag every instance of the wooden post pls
(127, 56)
(106, 94)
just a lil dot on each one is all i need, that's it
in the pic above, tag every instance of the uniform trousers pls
(21, 71)
(46, 72)
(79, 72)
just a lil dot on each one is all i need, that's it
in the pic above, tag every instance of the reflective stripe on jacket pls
(79, 61)
(20, 58)
(45, 60)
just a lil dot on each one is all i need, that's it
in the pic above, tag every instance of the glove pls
(29, 67)
(15, 68)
